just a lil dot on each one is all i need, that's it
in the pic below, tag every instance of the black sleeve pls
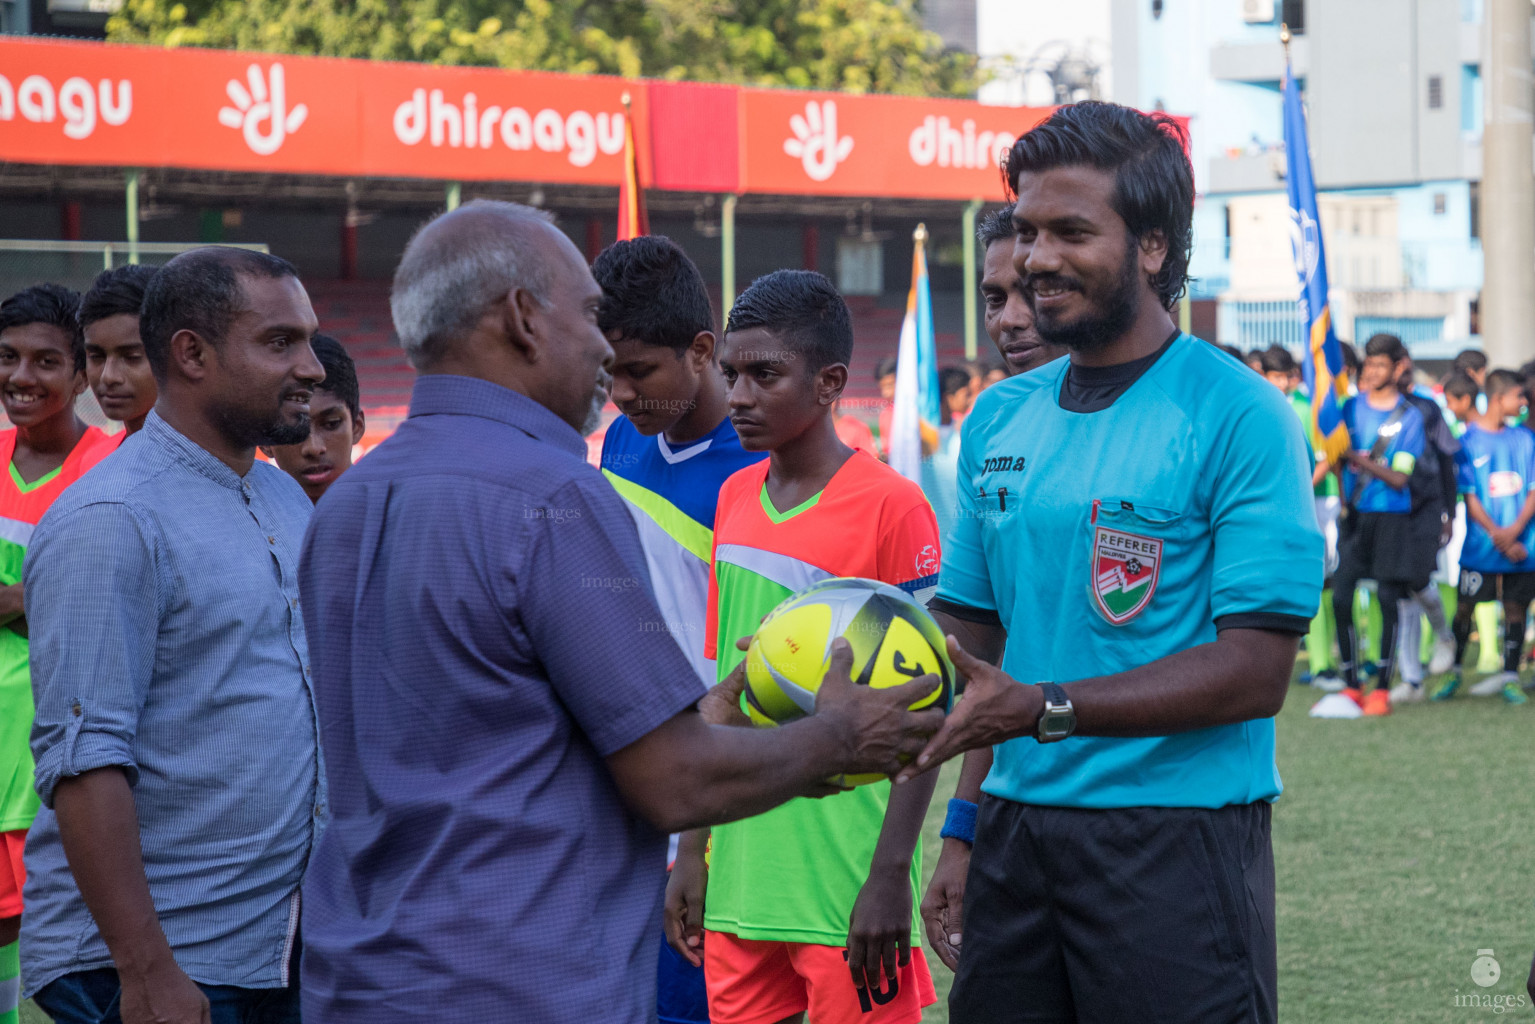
(964, 612)
(1277, 622)
(1449, 484)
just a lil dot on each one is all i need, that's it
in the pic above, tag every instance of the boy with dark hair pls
(115, 363)
(884, 376)
(940, 468)
(1464, 400)
(667, 456)
(1460, 395)
(1279, 367)
(1281, 370)
(674, 446)
(810, 906)
(1376, 541)
(1472, 362)
(336, 423)
(1351, 364)
(1497, 478)
(1434, 497)
(42, 372)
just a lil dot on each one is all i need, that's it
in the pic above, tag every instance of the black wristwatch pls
(1058, 719)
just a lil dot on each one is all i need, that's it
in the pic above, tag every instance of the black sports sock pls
(1388, 594)
(1462, 630)
(1343, 614)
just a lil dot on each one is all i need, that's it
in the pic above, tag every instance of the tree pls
(847, 45)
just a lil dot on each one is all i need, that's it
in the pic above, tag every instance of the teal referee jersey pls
(1107, 540)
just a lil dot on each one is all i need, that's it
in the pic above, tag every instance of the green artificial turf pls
(1402, 845)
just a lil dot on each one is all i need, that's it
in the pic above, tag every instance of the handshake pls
(874, 729)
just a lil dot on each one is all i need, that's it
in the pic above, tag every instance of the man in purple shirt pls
(510, 731)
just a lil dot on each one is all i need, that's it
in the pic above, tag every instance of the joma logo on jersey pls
(1003, 464)
(1126, 568)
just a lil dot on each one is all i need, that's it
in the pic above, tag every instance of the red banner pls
(99, 104)
(840, 144)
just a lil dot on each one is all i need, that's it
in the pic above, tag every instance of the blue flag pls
(1322, 363)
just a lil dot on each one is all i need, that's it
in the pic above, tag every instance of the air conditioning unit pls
(1258, 12)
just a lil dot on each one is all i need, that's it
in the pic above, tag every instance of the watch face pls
(1056, 725)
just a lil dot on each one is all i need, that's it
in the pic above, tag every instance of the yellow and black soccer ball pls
(894, 640)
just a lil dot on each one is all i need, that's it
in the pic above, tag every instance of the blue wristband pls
(959, 823)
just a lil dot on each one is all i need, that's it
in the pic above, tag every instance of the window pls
(1293, 14)
(1476, 209)
(1471, 99)
(1441, 202)
(860, 266)
(1435, 92)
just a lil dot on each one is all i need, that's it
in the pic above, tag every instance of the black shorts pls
(1512, 587)
(1382, 546)
(1111, 916)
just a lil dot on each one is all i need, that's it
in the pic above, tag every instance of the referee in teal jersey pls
(1135, 527)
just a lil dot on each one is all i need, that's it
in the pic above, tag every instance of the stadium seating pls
(357, 314)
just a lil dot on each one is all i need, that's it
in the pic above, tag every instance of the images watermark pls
(674, 628)
(1486, 972)
(555, 515)
(772, 356)
(664, 405)
(611, 582)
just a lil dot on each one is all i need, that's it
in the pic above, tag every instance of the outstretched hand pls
(880, 732)
(993, 708)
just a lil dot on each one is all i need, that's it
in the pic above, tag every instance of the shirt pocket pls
(1129, 544)
(997, 505)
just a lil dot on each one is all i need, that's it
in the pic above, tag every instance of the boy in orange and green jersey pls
(42, 372)
(772, 910)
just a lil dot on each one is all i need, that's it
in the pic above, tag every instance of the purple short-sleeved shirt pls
(482, 633)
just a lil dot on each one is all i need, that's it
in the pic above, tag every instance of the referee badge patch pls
(1126, 567)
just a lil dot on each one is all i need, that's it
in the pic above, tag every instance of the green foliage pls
(847, 45)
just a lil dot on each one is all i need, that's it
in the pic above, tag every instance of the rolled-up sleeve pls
(589, 611)
(92, 612)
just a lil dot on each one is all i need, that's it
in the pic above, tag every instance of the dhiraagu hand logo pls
(816, 142)
(261, 112)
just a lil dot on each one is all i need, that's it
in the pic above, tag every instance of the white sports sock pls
(1409, 640)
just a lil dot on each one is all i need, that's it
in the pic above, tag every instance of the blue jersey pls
(1406, 445)
(672, 493)
(1104, 541)
(1499, 468)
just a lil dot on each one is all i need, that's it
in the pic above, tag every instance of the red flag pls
(632, 221)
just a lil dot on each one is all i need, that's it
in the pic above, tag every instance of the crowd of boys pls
(509, 677)
(1431, 505)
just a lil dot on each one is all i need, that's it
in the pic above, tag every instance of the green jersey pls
(21, 506)
(792, 874)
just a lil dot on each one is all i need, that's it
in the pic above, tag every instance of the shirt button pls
(295, 602)
(271, 540)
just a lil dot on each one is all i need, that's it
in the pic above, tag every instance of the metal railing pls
(26, 261)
